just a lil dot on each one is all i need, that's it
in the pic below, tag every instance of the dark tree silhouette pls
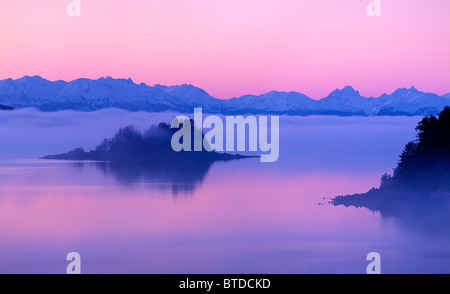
(4, 107)
(418, 192)
(131, 156)
(154, 145)
(424, 164)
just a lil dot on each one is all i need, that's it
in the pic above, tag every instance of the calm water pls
(235, 217)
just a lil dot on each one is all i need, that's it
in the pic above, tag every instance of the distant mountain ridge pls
(89, 95)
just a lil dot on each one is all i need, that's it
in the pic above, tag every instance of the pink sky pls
(234, 47)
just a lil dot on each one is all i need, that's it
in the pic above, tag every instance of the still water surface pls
(235, 217)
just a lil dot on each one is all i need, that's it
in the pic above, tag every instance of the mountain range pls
(89, 95)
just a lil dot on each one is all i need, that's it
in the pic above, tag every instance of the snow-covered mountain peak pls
(347, 91)
(87, 94)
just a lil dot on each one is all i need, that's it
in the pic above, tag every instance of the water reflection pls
(176, 178)
(422, 212)
(244, 216)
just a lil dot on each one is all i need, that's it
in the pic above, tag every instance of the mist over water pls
(239, 216)
(28, 133)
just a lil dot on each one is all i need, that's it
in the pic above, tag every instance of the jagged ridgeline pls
(152, 146)
(90, 95)
(424, 164)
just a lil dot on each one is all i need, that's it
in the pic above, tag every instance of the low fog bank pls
(29, 133)
(305, 142)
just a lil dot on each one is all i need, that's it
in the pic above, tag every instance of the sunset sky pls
(233, 47)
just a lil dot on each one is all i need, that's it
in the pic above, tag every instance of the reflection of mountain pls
(135, 158)
(89, 95)
(419, 189)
